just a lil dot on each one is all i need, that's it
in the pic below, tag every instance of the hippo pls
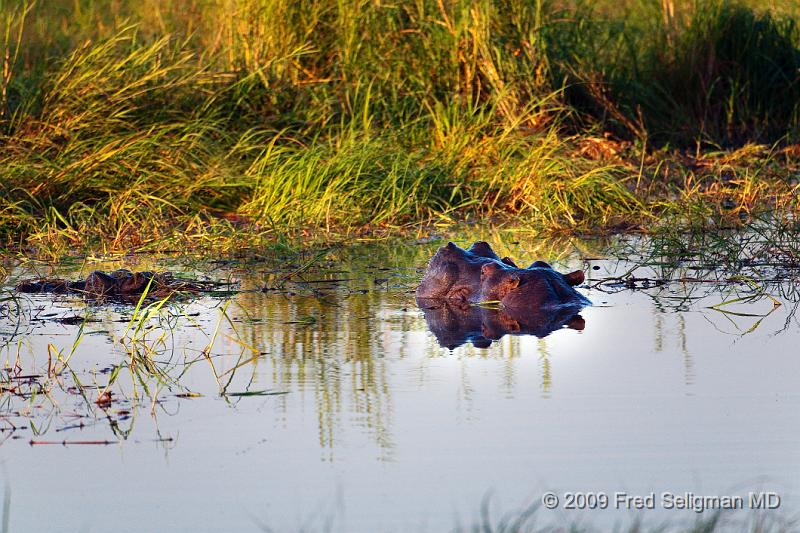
(478, 275)
(121, 284)
(529, 289)
(454, 273)
(456, 322)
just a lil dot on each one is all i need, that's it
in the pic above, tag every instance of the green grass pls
(233, 125)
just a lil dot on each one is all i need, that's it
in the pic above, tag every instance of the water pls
(343, 412)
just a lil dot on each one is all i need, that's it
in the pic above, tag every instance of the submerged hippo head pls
(121, 282)
(532, 288)
(119, 285)
(454, 273)
(497, 281)
(99, 283)
(136, 282)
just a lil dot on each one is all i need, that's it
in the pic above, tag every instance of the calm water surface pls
(342, 411)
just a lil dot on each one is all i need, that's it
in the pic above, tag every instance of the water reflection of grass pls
(737, 275)
(335, 321)
(535, 519)
(147, 371)
(339, 353)
(362, 327)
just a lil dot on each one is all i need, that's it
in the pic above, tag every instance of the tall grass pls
(728, 74)
(123, 122)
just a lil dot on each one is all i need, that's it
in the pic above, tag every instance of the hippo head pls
(99, 284)
(530, 288)
(453, 272)
(137, 282)
(439, 279)
(497, 282)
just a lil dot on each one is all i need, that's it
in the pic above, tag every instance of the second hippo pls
(120, 284)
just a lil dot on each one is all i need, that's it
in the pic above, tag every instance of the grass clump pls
(723, 74)
(143, 125)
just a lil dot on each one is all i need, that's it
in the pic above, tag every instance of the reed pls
(222, 124)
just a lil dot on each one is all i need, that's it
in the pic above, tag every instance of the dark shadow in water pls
(455, 323)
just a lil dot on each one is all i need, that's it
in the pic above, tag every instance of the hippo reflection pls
(455, 323)
(534, 300)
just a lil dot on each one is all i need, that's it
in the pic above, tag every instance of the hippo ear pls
(509, 262)
(448, 250)
(488, 269)
(574, 278)
(540, 264)
(482, 249)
